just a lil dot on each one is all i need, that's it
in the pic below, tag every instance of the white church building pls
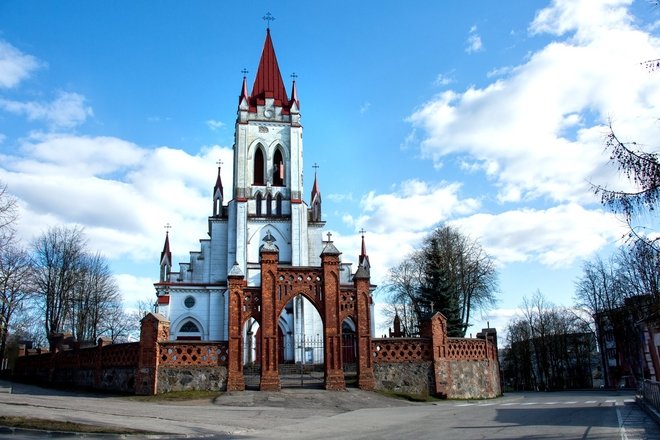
(267, 207)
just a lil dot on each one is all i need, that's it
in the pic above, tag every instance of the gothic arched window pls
(278, 169)
(259, 167)
(269, 205)
(258, 202)
(189, 327)
(278, 204)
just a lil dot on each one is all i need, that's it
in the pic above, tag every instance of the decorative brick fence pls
(432, 364)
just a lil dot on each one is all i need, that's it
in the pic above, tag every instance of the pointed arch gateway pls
(321, 288)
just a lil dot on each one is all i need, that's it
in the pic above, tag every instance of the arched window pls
(278, 169)
(189, 327)
(259, 166)
(258, 202)
(269, 205)
(278, 204)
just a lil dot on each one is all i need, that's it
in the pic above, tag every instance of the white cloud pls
(66, 111)
(365, 107)
(540, 130)
(473, 43)
(555, 237)
(443, 79)
(215, 125)
(415, 206)
(120, 193)
(15, 66)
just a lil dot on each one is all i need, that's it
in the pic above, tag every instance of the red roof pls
(268, 82)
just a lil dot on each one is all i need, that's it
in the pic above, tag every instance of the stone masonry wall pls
(404, 377)
(470, 379)
(192, 378)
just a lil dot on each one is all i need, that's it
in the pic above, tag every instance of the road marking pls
(590, 401)
(466, 404)
(610, 401)
(509, 404)
(622, 430)
(529, 403)
(550, 403)
(487, 404)
(628, 400)
(572, 402)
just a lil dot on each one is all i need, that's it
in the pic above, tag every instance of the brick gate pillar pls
(236, 283)
(334, 373)
(270, 376)
(436, 329)
(154, 327)
(365, 369)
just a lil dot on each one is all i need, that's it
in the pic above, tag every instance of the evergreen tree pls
(438, 291)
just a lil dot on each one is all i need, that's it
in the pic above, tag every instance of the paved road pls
(314, 414)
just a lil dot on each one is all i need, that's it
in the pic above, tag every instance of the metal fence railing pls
(650, 391)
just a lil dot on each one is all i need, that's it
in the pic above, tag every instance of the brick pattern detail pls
(346, 303)
(173, 354)
(291, 283)
(251, 303)
(467, 349)
(392, 350)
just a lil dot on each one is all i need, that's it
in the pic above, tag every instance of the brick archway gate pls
(321, 286)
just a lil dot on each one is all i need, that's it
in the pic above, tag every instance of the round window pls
(189, 301)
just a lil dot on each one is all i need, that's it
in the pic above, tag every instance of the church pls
(267, 213)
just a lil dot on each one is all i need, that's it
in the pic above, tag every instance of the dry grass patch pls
(60, 425)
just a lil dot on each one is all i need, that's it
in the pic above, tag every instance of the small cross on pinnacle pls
(268, 17)
(362, 231)
(244, 72)
(167, 227)
(294, 75)
(329, 237)
(315, 166)
(219, 162)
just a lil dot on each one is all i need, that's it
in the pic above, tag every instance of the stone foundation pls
(404, 377)
(192, 378)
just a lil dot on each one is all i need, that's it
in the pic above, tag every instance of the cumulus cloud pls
(15, 66)
(539, 131)
(121, 193)
(214, 125)
(67, 110)
(415, 206)
(555, 237)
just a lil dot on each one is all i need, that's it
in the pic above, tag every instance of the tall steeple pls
(268, 82)
(165, 257)
(315, 201)
(218, 196)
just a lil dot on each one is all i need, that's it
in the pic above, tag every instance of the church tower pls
(268, 174)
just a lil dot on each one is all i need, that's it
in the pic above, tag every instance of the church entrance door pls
(301, 360)
(252, 354)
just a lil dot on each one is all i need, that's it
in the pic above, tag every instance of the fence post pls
(154, 327)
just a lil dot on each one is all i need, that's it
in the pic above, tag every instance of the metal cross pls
(268, 17)
(362, 231)
(329, 237)
(294, 75)
(315, 166)
(219, 162)
(432, 303)
(244, 72)
(168, 227)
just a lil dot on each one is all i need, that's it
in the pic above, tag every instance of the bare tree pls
(451, 274)
(642, 169)
(58, 256)
(16, 275)
(8, 215)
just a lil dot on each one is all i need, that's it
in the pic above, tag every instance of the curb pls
(655, 415)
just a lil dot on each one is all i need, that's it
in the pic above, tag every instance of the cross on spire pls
(316, 167)
(329, 237)
(244, 72)
(362, 231)
(220, 162)
(294, 75)
(167, 227)
(268, 18)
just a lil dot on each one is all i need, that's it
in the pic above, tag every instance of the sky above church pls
(487, 116)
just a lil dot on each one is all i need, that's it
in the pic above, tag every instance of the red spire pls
(166, 255)
(363, 253)
(268, 82)
(244, 91)
(218, 185)
(294, 95)
(315, 189)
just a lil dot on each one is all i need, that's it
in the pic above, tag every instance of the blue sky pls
(489, 116)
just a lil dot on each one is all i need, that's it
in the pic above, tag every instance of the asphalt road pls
(316, 414)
